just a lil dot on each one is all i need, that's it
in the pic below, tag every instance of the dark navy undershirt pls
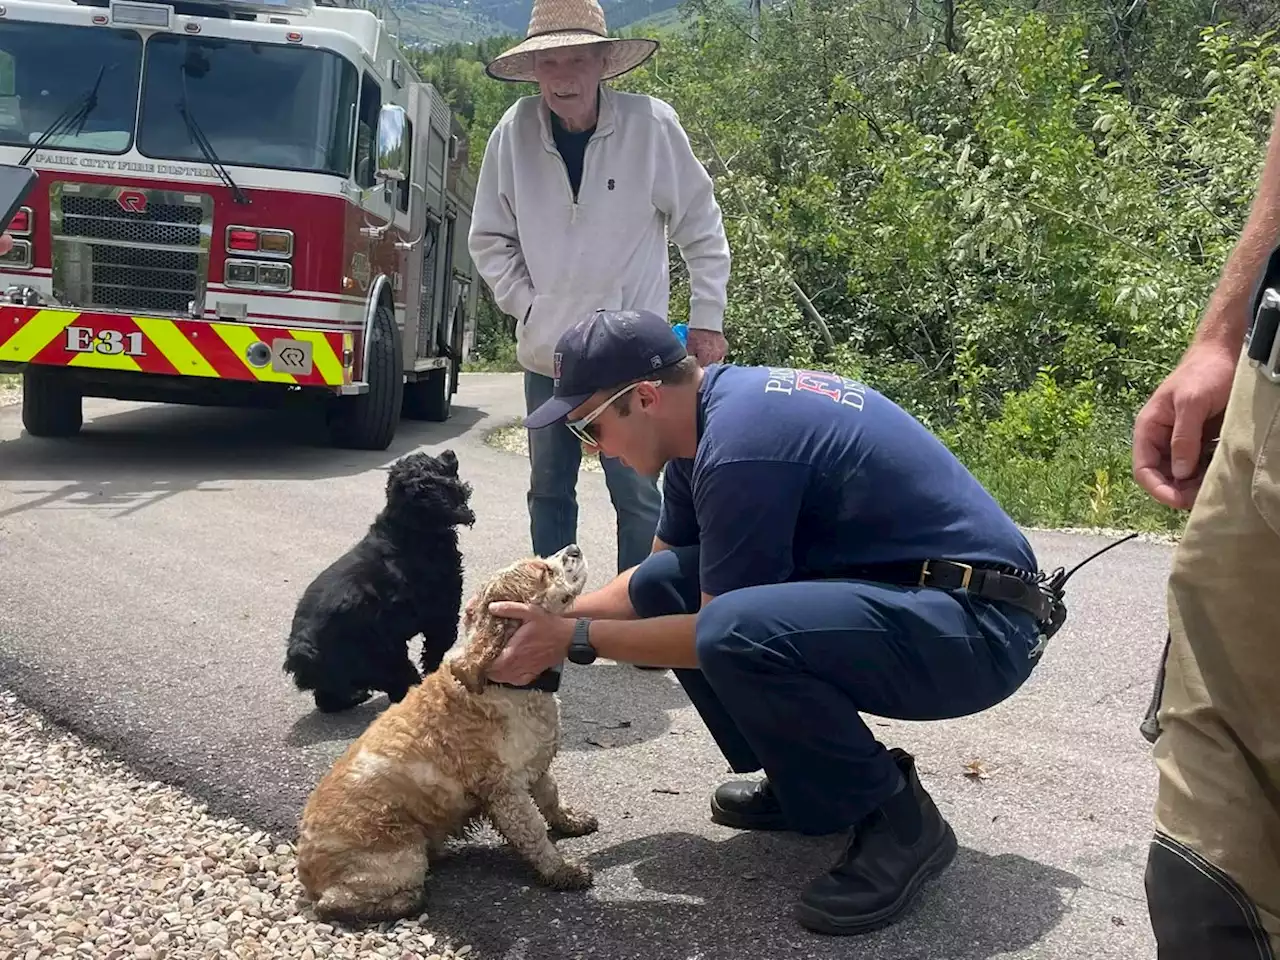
(573, 147)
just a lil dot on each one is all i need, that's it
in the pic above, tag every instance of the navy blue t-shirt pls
(799, 474)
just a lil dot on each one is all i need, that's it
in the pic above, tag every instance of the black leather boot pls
(747, 805)
(890, 854)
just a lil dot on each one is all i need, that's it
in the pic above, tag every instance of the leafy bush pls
(1009, 219)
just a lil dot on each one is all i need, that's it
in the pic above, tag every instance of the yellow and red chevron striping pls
(192, 348)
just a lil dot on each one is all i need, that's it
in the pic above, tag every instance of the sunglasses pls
(582, 428)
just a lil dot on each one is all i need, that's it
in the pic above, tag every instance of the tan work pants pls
(1213, 873)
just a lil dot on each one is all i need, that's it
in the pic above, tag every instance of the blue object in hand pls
(682, 331)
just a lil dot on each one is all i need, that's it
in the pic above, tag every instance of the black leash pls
(1150, 726)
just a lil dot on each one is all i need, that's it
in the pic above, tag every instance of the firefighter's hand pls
(6, 243)
(538, 644)
(1182, 416)
(708, 346)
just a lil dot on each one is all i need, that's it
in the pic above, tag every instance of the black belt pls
(1016, 587)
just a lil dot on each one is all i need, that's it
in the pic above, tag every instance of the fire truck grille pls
(142, 251)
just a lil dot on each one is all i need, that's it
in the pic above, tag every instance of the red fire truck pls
(240, 202)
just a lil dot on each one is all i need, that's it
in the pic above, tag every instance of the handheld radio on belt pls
(1261, 343)
(1053, 587)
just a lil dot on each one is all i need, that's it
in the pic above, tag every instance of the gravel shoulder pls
(95, 862)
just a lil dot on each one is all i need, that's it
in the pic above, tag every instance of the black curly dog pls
(354, 621)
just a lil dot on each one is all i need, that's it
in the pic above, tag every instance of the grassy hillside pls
(432, 23)
(429, 24)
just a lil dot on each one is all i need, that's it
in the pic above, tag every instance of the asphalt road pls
(148, 572)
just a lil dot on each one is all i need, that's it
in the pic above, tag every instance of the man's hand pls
(708, 346)
(539, 643)
(6, 243)
(1183, 414)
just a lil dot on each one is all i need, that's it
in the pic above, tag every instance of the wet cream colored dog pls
(457, 748)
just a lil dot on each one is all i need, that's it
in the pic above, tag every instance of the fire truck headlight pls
(239, 271)
(273, 275)
(18, 257)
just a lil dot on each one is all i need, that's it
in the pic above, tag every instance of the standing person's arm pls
(494, 239)
(686, 194)
(1226, 320)
(1170, 431)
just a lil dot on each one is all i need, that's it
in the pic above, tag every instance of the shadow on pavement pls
(680, 896)
(620, 707)
(315, 727)
(131, 459)
(616, 705)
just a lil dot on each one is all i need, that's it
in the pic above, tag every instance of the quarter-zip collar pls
(605, 110)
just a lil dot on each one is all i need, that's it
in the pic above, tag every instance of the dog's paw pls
(574, 824)
(570, 875)
(336, 702)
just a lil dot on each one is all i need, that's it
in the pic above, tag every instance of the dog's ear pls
(485, 641)
(449, 460)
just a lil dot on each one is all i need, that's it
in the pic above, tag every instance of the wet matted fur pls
(457, 748)
(354, 621)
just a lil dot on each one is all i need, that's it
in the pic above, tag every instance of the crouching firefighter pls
(819, 553)
(1213, 868)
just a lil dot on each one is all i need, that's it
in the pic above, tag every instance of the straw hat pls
(568, 23)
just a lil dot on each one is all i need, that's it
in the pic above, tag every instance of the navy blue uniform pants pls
(784, 670)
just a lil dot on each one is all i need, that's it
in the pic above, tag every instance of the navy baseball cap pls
(606, 350)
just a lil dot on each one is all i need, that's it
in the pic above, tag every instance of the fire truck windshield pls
(258, 105)
(48, 68)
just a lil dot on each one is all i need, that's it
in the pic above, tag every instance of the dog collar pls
(548, 681)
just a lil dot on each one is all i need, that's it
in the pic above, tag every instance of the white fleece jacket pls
(550, 261)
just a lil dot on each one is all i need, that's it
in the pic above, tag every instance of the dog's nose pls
(573, 551)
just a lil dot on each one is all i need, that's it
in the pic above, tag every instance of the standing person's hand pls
(6, 243)
(708, 346)
(1184, 413)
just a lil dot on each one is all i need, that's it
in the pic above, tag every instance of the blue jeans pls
(554, 457)
(785, 668)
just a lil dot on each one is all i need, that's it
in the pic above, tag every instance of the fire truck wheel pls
(51, 407)
(429, 398)
(368, 421)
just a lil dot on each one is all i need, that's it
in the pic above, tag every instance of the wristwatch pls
(580, 648)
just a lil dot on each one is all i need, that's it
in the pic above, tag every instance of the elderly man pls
(579, 189)
(819, 553)
(1213, 869)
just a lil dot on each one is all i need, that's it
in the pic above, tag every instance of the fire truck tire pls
(369, 420)
(429, 398)
(50, 406)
